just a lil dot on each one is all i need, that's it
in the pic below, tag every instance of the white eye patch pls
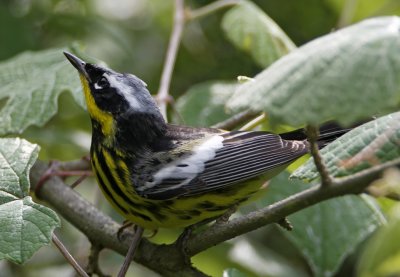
(124, 90)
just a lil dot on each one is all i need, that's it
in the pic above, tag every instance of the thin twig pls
(175, 39)
(236, 120)
(80, 164)
(78, 181)
(210, 8)
(131, 252)
(62, 173)
(45, 176)
(68, 256)
(254, 123)
(73, 168)
(312, 134)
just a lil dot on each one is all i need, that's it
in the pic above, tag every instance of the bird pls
(161, 175)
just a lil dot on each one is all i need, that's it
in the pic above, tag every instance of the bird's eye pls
(103, 83)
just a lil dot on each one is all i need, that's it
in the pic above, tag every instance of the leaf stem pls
(163, 96)
(64, 251)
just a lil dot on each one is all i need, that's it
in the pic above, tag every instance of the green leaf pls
(253, 253)
(204, 104)
(251, 30)
(25, 226)
(30, 85)
(16, 159)
(372, 143)
(233, 272)
(347, 75)
(381, 256)
(328, 232)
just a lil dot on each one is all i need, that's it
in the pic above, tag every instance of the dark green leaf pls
(346, 75)
(326, 233)
(253, 253)
(16, 159)
(370, 144)
(381, 256)
(204, 104)
(251, 30)
(30, 85)
(25, 226)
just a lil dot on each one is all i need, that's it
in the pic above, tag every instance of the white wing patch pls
(125, 90)
(189, 167)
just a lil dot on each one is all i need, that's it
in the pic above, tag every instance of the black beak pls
(78, 64)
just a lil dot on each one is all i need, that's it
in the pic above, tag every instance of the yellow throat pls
(105, 119)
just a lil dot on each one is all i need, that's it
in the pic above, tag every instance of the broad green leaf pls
(30, 85)
(370, 144)
(328, 232)
(347, 75)
(204, 104)
(381, 256)
(253, 253)
(16, 159)
(251, 30)
(25, 226)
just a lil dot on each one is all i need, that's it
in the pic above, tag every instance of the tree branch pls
(100, 229)
(353, 184)
(93, 263)
(168, 260)
(254, 123)
(236, 120)
(163, 92)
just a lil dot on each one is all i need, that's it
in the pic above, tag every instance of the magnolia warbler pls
(162, 175)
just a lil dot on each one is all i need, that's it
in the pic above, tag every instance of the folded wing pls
(222, 161)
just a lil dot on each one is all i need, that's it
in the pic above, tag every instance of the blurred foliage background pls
(132, 36)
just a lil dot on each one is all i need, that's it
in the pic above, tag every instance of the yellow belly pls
(184, 211)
